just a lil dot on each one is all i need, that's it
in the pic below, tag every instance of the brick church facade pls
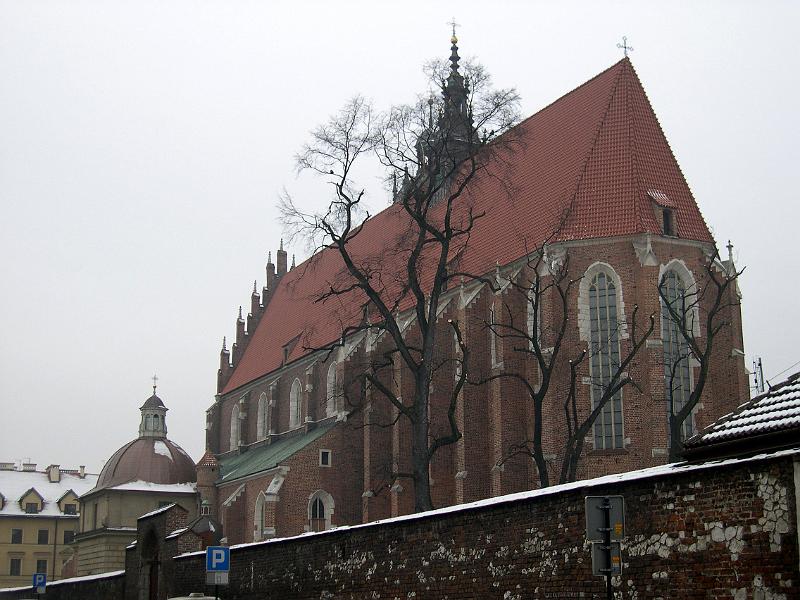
(287, 452)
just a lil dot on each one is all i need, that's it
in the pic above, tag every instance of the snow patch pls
(161, 448)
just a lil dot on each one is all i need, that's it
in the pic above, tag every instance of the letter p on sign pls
(218, 558)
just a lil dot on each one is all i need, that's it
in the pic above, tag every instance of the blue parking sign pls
(39, 582)
(218, 558)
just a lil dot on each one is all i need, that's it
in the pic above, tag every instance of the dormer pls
(68, 503)
(32, 502)
(664, 210)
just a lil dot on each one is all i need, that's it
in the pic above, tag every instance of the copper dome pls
(148, 459)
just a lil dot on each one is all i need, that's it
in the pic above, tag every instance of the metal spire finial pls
(453, 24)
(281, 248)
(224, 342)
(293, 264)
(240, 313)
(255, 281)
(624, 46)
(730, 251)
(269, 257)
(155, 383)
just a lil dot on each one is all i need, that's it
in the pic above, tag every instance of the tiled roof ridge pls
(596, 137)
(617, 64)
(632, 148)
(665, 140)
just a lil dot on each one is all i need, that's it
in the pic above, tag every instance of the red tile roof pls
(591, 155)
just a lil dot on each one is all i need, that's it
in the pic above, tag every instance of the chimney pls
(54, 473)
(282, 256)
(82, 471)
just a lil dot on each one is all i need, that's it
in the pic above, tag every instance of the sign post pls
(218, 565)
(605, 526)
(39, 583)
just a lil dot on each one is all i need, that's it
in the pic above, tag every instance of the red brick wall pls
(497, 415)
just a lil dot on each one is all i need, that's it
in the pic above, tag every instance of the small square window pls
(16, 536)
(44, 537)
(41, 565)
(31, 508)
(69, 535)
(70, 509)
(324, 458)
(15, 567)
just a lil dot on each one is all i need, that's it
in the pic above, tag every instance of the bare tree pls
(539, 337)
(693, 315)
(436, 149)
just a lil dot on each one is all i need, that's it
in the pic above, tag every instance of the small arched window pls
(294, 404)
(262, 423)
(148, 425)
(604, 360)
(320, 510)
(332, 388)
(260, 518)
(235, 428)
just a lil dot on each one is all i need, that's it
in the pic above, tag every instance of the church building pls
(147, 473)
(593, 186)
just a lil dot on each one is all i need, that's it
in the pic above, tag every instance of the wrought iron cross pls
(453, 24)
(155, 382)
(624, 45)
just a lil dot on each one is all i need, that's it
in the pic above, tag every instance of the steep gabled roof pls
(580, 168)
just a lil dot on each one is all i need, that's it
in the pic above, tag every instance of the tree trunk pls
(420, 460)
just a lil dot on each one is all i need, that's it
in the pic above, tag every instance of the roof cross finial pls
(453, 24)
(624, 46)
(155, 383)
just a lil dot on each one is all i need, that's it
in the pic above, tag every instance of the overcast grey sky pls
(143, 146)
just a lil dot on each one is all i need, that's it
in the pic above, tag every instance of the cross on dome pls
(155, 383)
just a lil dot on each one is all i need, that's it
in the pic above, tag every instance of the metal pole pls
(216, 591)
(607, 544)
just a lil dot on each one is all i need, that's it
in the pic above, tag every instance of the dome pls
(150, 460)
(153, 402)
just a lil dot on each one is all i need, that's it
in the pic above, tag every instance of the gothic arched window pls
(332, 389)
(260, 518)
(677, 356)
(235, 426)
(320, 510)
(294, 404)
(262, 423)
(604, 359)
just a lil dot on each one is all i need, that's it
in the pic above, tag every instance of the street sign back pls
(595, 517)
(217, 577)
(600, 559)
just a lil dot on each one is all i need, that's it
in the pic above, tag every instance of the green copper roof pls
(269, 456)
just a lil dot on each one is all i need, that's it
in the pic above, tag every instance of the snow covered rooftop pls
(773, 414)
(14, 484)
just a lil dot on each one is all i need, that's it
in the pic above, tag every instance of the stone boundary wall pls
(725, 530)
(107, 586)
